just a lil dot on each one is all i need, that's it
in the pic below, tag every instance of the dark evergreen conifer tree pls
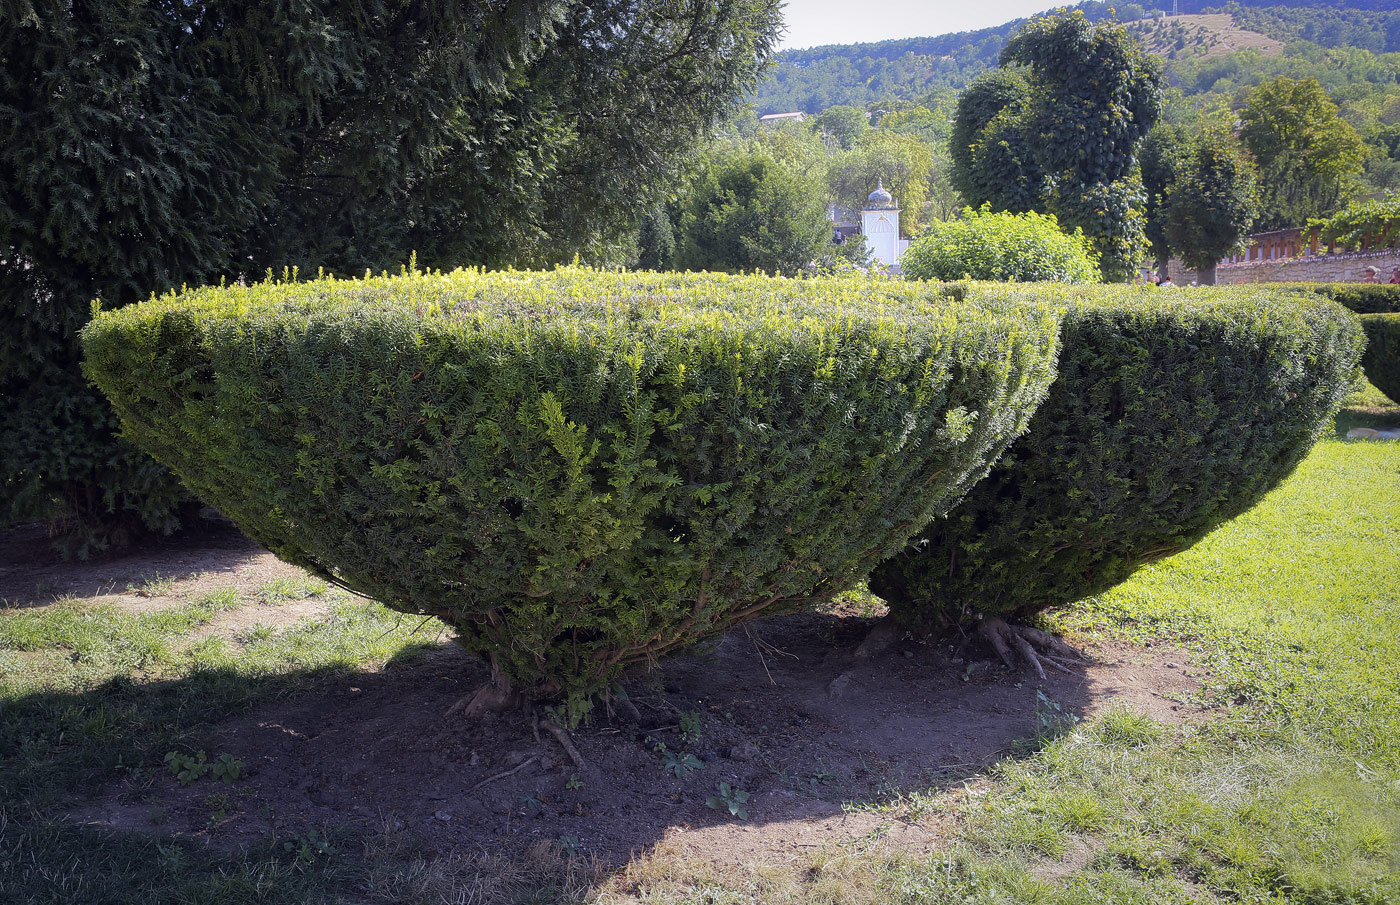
(146, 145)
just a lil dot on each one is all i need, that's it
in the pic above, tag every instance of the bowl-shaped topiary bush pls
(1169, 416)
(577, 470)
(1382, 359)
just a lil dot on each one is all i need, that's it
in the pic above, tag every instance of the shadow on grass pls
(54, 744)
(32, 573)
(821, 744)
(1378, 417)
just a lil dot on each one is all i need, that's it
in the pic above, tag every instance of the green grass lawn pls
(1287, 792)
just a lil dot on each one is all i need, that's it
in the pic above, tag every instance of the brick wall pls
(1340, 268)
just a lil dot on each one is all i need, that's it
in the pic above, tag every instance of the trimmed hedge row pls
(1169, 416)
(1382, 359)
(577, 470)
(1363, 298)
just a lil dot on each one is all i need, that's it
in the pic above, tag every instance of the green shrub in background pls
(982, 245)
(1363, 298)
(1382, 359)
(1168, 417)
(579, 471)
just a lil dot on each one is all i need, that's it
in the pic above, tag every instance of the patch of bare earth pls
(1219, 35)
(783, 711)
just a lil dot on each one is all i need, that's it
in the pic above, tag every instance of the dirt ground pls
(780, 709)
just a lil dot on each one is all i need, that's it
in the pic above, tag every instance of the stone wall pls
(1338, 268)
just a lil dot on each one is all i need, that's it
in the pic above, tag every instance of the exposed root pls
(881, 635)
(567, 744)
(1004, 637)
(496, 695)
(490, 779)
(631, 708)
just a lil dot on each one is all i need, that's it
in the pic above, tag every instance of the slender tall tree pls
(1213, 203)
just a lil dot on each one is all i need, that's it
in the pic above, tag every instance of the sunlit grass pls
(1295, 604)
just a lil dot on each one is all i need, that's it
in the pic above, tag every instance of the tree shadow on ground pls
(33, 573)
(822, 746)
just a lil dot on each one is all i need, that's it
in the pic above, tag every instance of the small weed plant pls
(681, 764)
(188, 769)
(691, 726)
(731, 799)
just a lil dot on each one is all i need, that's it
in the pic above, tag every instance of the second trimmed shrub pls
(1168, 417)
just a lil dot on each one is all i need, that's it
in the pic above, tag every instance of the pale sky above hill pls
(814, 22)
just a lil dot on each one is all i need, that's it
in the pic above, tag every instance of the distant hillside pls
(816, 78)
(1204, 36)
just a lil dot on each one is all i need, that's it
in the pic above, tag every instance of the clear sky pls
(814, 22)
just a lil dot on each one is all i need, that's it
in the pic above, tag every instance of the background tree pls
(797, 146)
(1063, 138)
(844, 125)
(146, 145)
(1309, 157)
(746, 212)
(1163, 159)
(1094, 96)
(930, 121)
(656, 238)
(991, 158)
(903, 162)
(1213, 203)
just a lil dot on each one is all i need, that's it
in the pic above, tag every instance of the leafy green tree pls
(902, 162)
(1202, 195)
(844, 125)
(748, 213)
(1094, 97)
(656, 239)
(1063, 138)
(992, 161)
(1368, 223)
(1212, 205)
(146, 145)
(1309, 157)
(798, 148)
(1163, 159)
(931, 125)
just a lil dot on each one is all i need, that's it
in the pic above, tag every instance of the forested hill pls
(814, 79)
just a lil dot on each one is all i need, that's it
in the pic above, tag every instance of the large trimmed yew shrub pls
(578, 471)
(1171, 413)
